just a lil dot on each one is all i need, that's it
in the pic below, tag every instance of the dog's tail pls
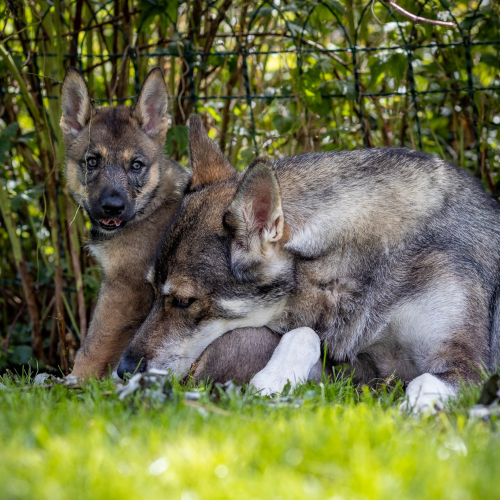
(494, 360)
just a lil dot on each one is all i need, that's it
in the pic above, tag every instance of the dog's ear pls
(208, 163)
(255, 217)
(256, 206)
(76, 104)
(151, 107)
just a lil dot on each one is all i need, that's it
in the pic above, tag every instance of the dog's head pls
(114, 154)
(222, 264)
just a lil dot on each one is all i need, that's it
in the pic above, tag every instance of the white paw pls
(268, 383)
(297, 352)
(426, 395)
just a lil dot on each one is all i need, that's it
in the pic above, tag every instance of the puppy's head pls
(114, 154)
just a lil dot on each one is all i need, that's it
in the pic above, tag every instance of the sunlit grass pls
(324, 441)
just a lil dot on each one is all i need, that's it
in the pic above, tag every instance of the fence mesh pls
(302, 36)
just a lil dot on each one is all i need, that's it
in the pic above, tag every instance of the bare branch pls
(418, 19)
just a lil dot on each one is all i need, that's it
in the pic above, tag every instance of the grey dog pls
(388, 257)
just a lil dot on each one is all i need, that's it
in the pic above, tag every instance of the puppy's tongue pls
(111, 222)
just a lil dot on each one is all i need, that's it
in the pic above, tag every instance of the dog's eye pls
(91, 162)
(137, 165)
(182, 303)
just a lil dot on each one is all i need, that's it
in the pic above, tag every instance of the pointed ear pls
(207, 161)
(151, 107)
(76, 104)
(255, 212)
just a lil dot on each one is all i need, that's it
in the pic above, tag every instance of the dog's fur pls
(143, 201)
(390, 255)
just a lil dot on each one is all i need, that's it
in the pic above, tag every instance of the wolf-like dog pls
(391, 256)
(117, 171)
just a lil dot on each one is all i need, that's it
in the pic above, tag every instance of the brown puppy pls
(117, 171)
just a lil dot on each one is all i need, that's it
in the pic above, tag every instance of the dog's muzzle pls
(129, 364)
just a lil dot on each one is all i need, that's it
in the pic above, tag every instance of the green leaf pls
(5, 146)
(164, 12)
(397, 64)
(11, 131)
(337, 6)
(178, 140)
(247, 155)
(27, 196)
(18, 60)
(265, 11)
(490, 60)
(394, 65)
(7, 140)
(345, 88)
(91, 282)
(21, 354)
(282, 121)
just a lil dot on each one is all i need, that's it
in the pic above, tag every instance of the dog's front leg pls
(427, 394)
(121, 309)
(293, 359)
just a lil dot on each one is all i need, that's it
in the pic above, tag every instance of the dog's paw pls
(293, 359)
(267, 384)
(426, 395)
(424, 405)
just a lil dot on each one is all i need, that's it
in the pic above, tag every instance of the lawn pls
(323, 441)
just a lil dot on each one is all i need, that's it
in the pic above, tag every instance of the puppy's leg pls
(292, 361)
(237, 355)
(121, 309)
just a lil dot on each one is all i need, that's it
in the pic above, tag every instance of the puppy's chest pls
(129, 254)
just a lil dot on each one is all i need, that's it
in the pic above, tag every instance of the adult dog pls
(391, 256)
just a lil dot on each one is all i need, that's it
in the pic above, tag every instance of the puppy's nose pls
(129, 364)
(112, 205)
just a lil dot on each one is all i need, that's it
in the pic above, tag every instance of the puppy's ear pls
(76, 104)
(207, 161)
(255, 217)
(151, 107)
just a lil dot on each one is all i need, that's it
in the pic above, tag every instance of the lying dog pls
(391, 256)
(117, 171)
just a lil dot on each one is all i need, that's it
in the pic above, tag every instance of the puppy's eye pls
(91, 162)
(182, 303)
(137, 165)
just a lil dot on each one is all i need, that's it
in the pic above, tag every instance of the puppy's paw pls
(297, 352)
(426, 395)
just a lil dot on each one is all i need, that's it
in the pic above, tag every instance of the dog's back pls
(391, 225)
(377, 196)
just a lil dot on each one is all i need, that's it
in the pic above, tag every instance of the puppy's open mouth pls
(110, 224)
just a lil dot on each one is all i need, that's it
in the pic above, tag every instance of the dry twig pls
(64, 343)
(418, 19)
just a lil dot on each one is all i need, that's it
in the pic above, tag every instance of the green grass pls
(324, 441)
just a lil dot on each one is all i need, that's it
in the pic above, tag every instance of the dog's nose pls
(129, 364)
(112, 205)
